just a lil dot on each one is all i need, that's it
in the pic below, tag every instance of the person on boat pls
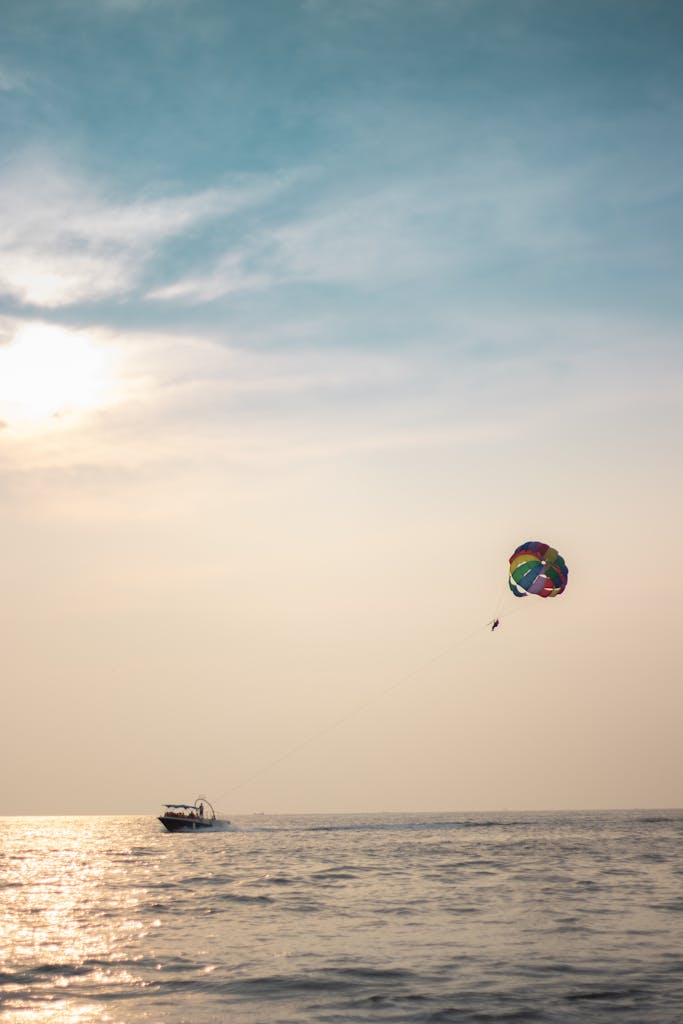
(201, 810)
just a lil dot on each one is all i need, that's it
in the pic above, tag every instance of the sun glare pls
(48, 371)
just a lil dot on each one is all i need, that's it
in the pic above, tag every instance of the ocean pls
(544, 917)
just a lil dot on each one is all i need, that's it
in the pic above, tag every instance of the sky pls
(310, 313)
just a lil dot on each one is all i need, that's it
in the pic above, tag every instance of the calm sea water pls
(515, 917)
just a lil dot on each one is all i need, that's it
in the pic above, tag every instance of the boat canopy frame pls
(195, 807)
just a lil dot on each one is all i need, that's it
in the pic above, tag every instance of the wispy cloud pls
(186, 399)
(364, 240)
(227, 276)
(63, 241)
(392, 233)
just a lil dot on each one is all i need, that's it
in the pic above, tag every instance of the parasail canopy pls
(536, 568)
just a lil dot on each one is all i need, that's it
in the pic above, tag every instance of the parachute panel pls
(537, 568)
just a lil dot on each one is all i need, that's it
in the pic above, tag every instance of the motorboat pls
(197, 817)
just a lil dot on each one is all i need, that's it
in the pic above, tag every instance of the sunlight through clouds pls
(47, 372)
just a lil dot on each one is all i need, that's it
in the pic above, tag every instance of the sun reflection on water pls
(69, 918)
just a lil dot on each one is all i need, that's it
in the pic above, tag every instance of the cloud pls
(63, 242)
(364, 240)
(229, 275)
(185, 399)
(368, 235)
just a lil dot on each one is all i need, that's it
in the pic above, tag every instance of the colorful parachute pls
(536, 568)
